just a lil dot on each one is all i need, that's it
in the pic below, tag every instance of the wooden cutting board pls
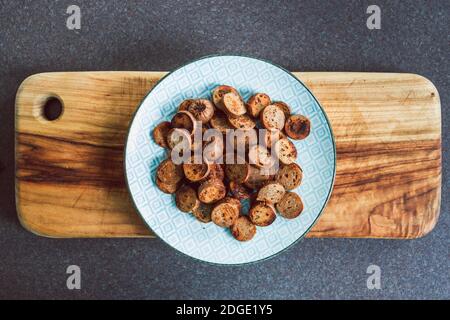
(69, 172)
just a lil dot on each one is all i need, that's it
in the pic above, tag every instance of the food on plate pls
(160, 133)
(243, 229)
(290, 176)
(264, 173)
(262, 214)
(297, 127)
(257, 103)
(290, 206)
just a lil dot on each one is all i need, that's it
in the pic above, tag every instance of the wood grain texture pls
(69, 172)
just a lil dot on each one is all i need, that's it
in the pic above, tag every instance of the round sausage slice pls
(257, 103)
(201, 109)
(169, 173)
(290, 176)
(242, 122)
(160, 133)
(284, 107)
(286, 151)
(186, 199)
(272, 192)
(233, 105)
(262, 214)
(272, 118)
(184, 120)
(225, 214)
(290, 206)
(211, 191)
(297, 127)
(219, 92)
(169, 188)
(243, 229)
(203, 212)
(196, 172)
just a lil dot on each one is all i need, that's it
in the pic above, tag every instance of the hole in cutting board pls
(52, 109)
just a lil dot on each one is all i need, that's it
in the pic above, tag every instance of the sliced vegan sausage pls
(169, 188)
(203, 212)
(271, 192)
(242, 122)
(184, 120)
(286, 151)
(243, 229)
(225, 213)
(262, 214)
(185, 104)
(186, 199)
(169, 173)
(290, 176)
(297, 127)
(272, 118)
(211, 190)
(201, 109)
(233, 105)
(196, 172)
(219, 92)
(257, 103)
(160, 133)
(290, 206)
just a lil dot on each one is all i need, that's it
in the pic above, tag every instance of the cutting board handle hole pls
(52, 109)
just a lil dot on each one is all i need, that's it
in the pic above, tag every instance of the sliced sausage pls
(262, 214)
(290, 206)
(272, 118)
(211, 191)
(186, 199)
(160, 133)
(290, 176)
(202, 110)
(243, 229)
(286, 151)
(272, 192)
(169, 173)
(297, 127)
(257, 103)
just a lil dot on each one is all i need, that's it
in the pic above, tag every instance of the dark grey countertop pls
(160, 35)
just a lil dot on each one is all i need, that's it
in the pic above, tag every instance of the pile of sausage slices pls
(213, 191)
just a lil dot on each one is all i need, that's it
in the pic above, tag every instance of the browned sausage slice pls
(257, 103)
(272, 118)
(169, 173)
(160, 133)
(243, 229)
(211, 191)
(203, 212)
(286, 151)
(272, 192)
(297, 127)
(262, 214)
(290, 176)
(186, 199)
(233, 104)
(225, 213)
(201, 109)
(290, 206)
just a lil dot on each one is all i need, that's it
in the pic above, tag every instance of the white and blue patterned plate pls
(182, 231)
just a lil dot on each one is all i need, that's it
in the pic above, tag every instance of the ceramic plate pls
(182, 231)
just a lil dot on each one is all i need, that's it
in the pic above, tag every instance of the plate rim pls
(235, 56)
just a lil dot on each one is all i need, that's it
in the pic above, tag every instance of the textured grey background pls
(160, 35)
